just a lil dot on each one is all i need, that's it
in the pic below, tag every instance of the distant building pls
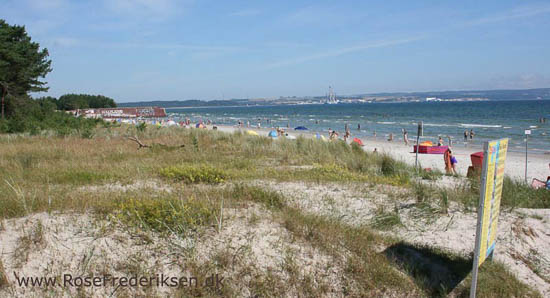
(110, 113)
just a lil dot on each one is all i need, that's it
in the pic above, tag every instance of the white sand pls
(515, 162)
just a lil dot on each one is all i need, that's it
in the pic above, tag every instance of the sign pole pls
(479, 219)
(492, 177)
(527, 133)
(418, 133)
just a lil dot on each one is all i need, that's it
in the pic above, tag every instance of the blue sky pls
(174, 50)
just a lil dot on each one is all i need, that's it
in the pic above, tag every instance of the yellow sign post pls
(492, 177)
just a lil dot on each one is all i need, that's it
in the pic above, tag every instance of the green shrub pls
(80, 177)
(141, 127)
(194, 174)
(388, 166)
(422, 192)
(519, 194)
(87, 133)
(166, 214)
(257, 194)
(432, 175)
(386, 220)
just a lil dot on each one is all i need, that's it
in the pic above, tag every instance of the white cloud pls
(155, 10)
(516, 13)
(245, 12)
(171, 47)
(323, 15)
(346, 50)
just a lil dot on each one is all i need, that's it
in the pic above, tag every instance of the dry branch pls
(154, 145)
(141, 145)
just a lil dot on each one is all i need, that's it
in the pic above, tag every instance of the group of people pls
(470, 134)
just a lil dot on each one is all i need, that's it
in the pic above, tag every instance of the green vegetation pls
(23, 65)
(192, 174)
(386, 220)
(165, 214)
(103, 175)
(83, 101)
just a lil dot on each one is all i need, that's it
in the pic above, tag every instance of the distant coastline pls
(395, 97)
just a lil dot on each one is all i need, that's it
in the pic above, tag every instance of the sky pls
(183, 49)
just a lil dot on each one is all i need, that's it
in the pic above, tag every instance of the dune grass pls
(39, 173)
(46, 174)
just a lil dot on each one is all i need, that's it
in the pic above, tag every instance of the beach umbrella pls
(300, 128)
(171, 123)
(252, 133)
(272, 134)
(358, 141)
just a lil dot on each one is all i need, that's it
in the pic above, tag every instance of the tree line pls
(23, 67)
(80, 101)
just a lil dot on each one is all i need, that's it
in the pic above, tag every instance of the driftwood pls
(154, 145)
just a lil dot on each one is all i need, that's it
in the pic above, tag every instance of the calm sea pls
(488, 119)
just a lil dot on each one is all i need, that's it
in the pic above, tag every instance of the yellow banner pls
(496, 156)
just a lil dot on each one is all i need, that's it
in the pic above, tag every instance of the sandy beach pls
(537, 166)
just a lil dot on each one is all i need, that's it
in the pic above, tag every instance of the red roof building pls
(109, 113)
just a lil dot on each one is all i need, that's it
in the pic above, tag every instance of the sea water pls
(488, 119)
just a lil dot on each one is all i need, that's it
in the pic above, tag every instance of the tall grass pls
(48, 174)
(44, 171)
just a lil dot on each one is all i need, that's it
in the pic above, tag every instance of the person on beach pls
(440, 142)
(248, 123)
(453, 162)
(406, 137)
(347, 135)
(333, 135)
(390, 139)
(472, 134)
(358, 126)
(447, 160)
(375, 150)
(466, 135)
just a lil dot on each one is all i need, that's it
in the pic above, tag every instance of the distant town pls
(333, 98)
